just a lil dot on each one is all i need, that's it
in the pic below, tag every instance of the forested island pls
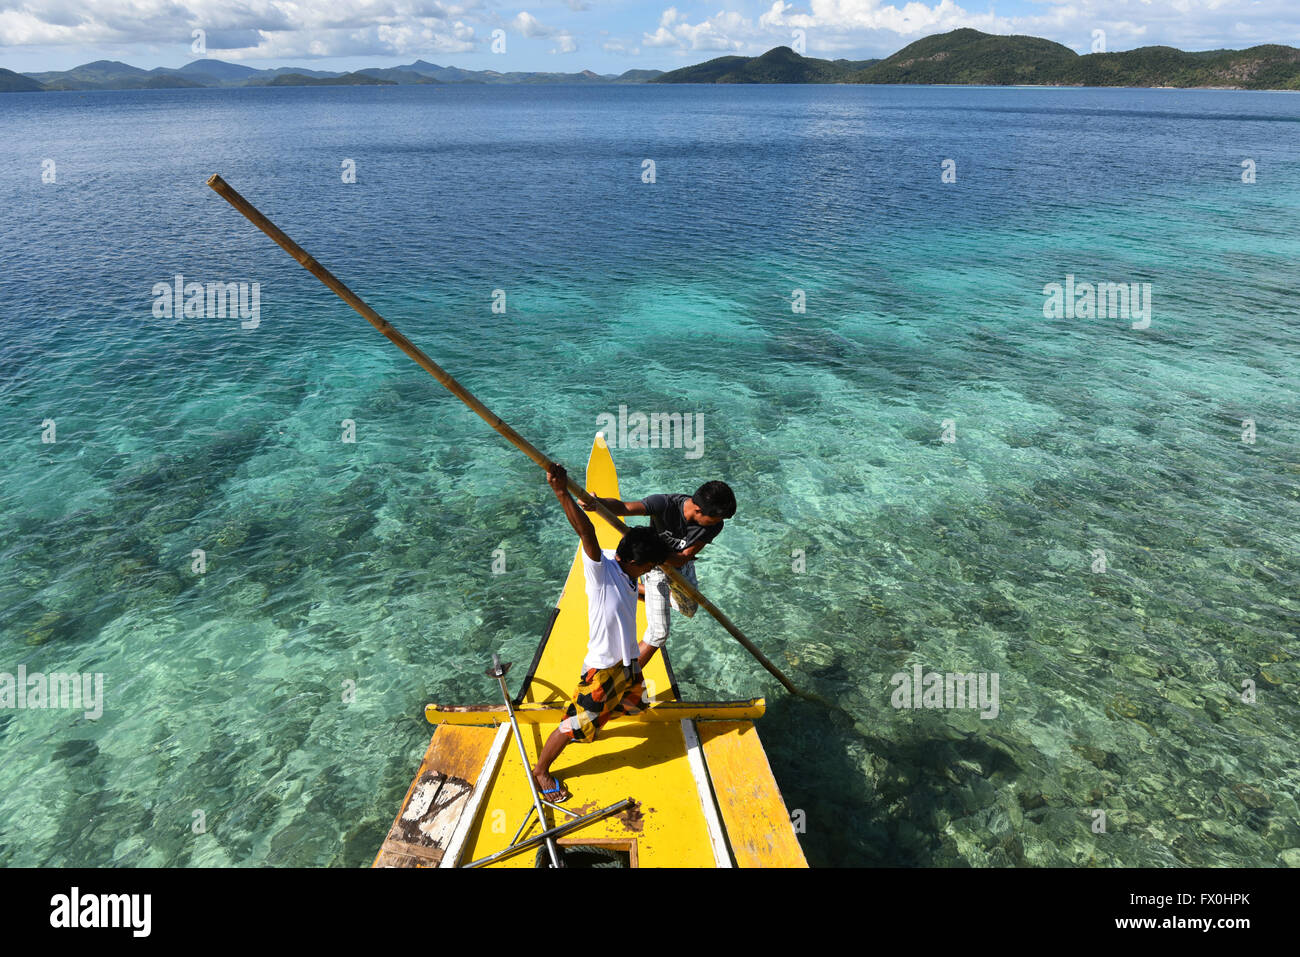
(971, 57)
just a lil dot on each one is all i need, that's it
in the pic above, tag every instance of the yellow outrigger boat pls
(684, 784)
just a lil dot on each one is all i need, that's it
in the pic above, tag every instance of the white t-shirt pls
(611, 612)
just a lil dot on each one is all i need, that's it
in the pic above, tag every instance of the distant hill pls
(398, 75)
(299, 70)
(711, 71)
(92, 75)
(1269, 67)
(343, 79)
(11, 82)
(586, 76)
(218, 70)
(778, 65)
(638, 76)
(99, 75)
(161, 81)
(968, 56)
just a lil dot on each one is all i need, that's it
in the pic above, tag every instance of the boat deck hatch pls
(593, 852)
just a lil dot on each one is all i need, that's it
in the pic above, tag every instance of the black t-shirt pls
(667, 519)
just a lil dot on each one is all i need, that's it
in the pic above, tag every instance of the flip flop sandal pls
(558, 789)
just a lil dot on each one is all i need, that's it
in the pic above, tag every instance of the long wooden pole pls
(251, 212)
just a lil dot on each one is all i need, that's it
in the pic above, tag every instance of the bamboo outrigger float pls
(702, 791)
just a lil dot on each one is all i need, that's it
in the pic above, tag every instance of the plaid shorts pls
(603, 693)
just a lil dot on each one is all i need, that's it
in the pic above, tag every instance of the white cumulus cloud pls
(243, 29)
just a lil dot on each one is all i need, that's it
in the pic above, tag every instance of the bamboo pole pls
(230, 195)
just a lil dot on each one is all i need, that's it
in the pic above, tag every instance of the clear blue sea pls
(274, 701)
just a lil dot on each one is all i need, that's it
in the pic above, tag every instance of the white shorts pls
(660, 599)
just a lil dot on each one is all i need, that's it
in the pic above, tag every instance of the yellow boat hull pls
(704, 791)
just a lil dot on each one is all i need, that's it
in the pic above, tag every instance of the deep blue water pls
(370, 562)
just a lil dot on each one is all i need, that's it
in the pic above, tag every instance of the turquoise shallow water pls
(331, 563)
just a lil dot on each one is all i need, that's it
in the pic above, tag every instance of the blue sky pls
(607, 36)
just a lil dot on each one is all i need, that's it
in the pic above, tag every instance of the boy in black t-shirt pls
(686, 523)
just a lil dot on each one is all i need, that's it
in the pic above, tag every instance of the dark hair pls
(715, 499)
(643, 544)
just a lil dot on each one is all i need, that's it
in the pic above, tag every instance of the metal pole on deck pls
(498, 671)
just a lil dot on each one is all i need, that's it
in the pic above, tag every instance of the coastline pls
(571, 86)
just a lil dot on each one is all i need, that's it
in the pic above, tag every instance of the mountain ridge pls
(115, 75)
(963, 56)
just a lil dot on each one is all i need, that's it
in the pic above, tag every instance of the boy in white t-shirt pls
(610, 683)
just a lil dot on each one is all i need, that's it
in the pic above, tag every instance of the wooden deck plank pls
(758, 823)
(456, 845)
(437, 797)
(717, 833)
